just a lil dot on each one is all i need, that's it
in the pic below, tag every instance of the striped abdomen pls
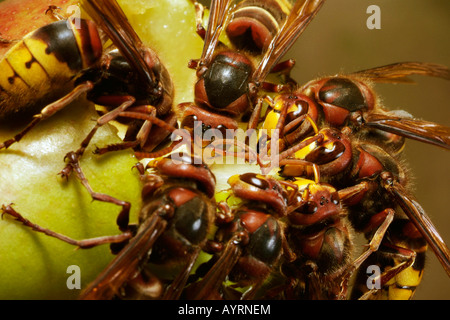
(39, 69)
(403, 249)
(255, 23)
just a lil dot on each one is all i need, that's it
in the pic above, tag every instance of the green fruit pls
(34, 265)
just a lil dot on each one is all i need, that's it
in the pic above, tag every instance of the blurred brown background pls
(337, 40)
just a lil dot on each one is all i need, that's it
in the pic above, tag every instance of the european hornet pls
(349, 103)
(349, 46)
(249, 242)
(296, 231)
(381, 185)
(229, 78)
(177, 214)
(59, 62)
(349, 100)
(321, 238)
(401, 259)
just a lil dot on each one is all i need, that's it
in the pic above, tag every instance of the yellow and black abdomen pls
(404, 246)
(40, 68)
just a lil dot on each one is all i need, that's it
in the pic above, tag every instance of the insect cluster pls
(328, 158)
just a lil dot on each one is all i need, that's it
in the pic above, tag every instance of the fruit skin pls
(35, 266)
(31, 12)
(168, 26)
